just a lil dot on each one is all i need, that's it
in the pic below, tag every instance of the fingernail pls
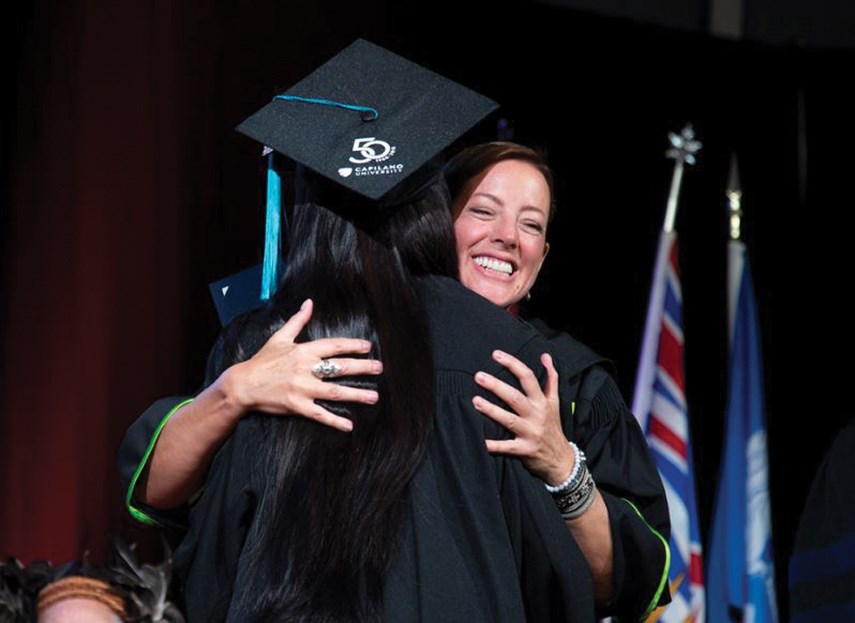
(480, 377)
(372, 397)
(377, 367)
(347, 426)
(498, 355)
(477, 401)
(366, 345)
(305, 304)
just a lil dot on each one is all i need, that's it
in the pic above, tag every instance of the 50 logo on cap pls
(372, 150)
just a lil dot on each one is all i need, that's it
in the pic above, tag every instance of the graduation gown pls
(595, 416)
(484, 540)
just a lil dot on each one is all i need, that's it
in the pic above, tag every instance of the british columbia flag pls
(660, 406)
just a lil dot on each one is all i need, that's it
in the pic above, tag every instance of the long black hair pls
(334, 503)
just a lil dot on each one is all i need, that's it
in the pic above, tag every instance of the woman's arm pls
(277, 380)
(539, 441)
(630, 563)
(620, 460)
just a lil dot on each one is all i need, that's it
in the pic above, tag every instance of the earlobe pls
(545, 250)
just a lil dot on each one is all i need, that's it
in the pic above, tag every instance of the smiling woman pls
(500, 226)
(503, 200)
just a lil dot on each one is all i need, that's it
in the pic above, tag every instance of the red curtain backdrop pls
(129, 192)
(95, 263)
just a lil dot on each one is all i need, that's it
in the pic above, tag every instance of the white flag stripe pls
(670, 415)
(679, 609)
(674, 281)
(671, 386)
(675, 330)
(667, 453)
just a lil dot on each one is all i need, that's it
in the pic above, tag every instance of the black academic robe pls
(484, 540)
(599, 422)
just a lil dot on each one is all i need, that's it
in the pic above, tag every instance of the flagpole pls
(735, 247)
(734, 200)
(683, 148)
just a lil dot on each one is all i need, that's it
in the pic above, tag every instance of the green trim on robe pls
(664, 581)
(135, 512)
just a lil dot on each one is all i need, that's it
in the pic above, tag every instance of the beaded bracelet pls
(575, 495)
(574, 478)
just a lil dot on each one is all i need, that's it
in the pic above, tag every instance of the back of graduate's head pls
(371, 213)
(358, 260)
(334, 504)
(332, 224)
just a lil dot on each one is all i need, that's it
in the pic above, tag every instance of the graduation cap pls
(368, 120)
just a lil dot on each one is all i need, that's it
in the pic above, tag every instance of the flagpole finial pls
(683, 148)
(734, 200)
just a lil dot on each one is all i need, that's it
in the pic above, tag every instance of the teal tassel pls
(271, 230)
(368, 113)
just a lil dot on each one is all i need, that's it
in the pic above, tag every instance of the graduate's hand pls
(278, 379)
(535, 421)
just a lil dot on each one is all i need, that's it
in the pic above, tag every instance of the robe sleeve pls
(132, 458)
(617, 454)
(138, 443)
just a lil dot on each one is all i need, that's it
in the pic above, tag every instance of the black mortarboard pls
(367, 119)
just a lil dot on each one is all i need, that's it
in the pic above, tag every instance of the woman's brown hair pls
(463, 171)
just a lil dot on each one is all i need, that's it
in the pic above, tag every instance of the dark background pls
(125, 191)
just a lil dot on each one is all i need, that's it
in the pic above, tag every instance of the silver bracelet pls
(571, 496)
(572, 503)
(575, 477)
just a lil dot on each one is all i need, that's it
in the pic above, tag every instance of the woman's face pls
(500, 226)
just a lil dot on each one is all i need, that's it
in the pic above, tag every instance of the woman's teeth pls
(499, 266)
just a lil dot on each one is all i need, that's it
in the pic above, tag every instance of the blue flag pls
(740, 575)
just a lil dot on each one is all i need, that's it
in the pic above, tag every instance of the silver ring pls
(325, 369)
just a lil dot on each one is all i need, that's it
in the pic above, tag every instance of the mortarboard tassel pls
(271, 229)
